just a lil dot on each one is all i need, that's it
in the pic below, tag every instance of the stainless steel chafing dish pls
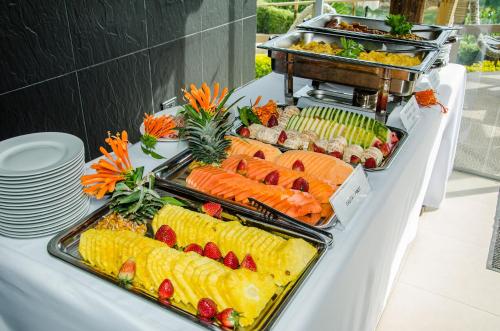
(433, 36)
(397, 80)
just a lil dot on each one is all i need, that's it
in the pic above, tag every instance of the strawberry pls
(127, 272)
(194, 248)
(260, 155)
(273, 121)
(165, 291)
(317, 149)
(242, 167)
(282, 137)
(298, 166)
(385, 149)
(207, 308)
(300, 184)
(337, 154)
(244, 132)
(394, 138)
(212, 251)
(377, 143)
(272, 178)
(355, 159)
(231, 260)
(213, 209)
(249, 263)
(228, 318)
(370, 163)
(166, 234)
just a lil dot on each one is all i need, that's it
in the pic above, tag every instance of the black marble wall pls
(89, 66)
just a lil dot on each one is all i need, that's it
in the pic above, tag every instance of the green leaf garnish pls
(399, 25)
(350, 48)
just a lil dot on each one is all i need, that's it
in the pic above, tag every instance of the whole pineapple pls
(207, 123)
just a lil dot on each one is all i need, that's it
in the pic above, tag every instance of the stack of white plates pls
(40, 191)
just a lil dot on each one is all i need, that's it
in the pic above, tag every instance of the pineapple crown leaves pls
(206, 138)
(136, 199)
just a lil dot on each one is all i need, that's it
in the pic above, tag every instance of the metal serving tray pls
(435, 38)
(65, 247)
(172, 175)
(386, 163)
(284, 42)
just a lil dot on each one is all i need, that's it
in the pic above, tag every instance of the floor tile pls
(413, 309)
(453, 269)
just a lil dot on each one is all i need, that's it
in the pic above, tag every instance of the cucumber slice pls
(292, 122)
(324, 128)
(302, 123)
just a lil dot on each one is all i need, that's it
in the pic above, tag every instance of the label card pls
(410, 114)
(349, 197)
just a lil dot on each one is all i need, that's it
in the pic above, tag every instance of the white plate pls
(32, 218)
(74, 173)
(40, 199)
(45, 224)
(28, 209)
(70, 165)
(14, 234)
(45, 188)
(173, 111)
(37, 153)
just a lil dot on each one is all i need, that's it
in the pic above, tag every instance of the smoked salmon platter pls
(349, 136)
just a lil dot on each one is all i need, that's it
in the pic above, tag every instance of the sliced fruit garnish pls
(231, 260)
(229, 318)
(273, 121)
(272, 178)
(244, 132)
(212, 251)
(207, 308)
(165, 291)
(127, 272)
(370, 163)
(300, 184)
(213, 209)
(355, 159)
(194, 248)
(317, 149)
(166, 234)
(249, 263)
(298, 166)
(385, 149)
(282, 137)
(337, 154)
(260, 155)
(242, 167)
(394, 138)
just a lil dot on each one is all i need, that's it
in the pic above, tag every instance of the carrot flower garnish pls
(265, 112)
(428, 98)
(109, 169)
(203, 98)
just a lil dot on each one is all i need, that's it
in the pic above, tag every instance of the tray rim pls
(423, 67)
(436, 43)
(54, 249)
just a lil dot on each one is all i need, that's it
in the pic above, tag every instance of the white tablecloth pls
(348, 289)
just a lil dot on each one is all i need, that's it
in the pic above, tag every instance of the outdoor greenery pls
(273, 20)
(484, 66)
(468, 52)
(262, 65)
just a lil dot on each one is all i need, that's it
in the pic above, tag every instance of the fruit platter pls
(222, 271)
(352, 137)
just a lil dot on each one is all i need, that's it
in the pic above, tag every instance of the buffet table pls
(347, 290)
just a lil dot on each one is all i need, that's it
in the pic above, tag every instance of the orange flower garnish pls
(265, 112)
(160, 126)
(428, 98)
(109, 170)
(202, 98)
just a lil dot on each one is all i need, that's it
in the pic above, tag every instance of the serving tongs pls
(274, 216)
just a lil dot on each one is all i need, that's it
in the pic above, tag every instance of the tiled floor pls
(443, 283)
